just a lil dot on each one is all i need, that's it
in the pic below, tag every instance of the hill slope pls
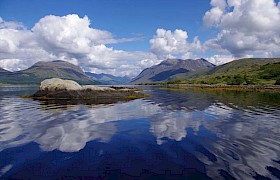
(2, 71)
(43, 70)
(108, 78)
(168, 68)
(242, 71)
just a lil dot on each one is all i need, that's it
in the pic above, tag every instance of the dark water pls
(171, 135)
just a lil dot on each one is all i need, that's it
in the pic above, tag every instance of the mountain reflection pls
(235, 135)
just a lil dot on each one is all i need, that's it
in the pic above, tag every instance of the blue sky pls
(123, 18)
(122, 37)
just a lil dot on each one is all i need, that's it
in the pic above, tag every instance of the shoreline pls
(274, 88)
(19, 85)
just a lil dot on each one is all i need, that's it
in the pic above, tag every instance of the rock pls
(96, 88)
(56, 89)
(55, 84)
(126, 89)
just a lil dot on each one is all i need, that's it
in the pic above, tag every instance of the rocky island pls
(60, 90)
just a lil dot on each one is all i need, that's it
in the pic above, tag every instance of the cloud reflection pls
(246, 137)
(64, 127)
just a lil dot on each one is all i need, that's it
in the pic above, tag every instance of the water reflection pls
(248, 131)
(232, 133)
(64, 127)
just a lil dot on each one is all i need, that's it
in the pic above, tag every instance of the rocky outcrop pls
(55, 84)
(58, 89)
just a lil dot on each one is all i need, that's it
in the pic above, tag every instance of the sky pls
(123, 37)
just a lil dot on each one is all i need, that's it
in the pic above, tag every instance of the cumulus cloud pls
(213, 17)
(10, 64)
(69, 34)
(168, 44)
(19, 48)
(67, 38)
(11, 25)
(247, 27)
(220, 59)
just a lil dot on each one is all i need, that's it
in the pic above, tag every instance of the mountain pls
(3, 71)
(43, 70)
(242, 71)
(168, 68)
(108, 78)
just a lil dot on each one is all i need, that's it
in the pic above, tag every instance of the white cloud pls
(69, 34)
(19, 49)
(220, 59)
(196, 45)
(168, 44)
(10, 64)
(213, 17)
(165, 42)
(247, 27)
(67, 38)
(11, 25)
(219, 3)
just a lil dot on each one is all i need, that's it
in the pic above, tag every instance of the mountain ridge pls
(47, 69)
(246, 70)
(170, 67)
(4, 71)
(108, 78)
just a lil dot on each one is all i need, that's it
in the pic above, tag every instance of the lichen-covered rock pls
(59, 90)
(55, 84)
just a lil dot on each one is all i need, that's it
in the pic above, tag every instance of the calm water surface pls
(173, 134)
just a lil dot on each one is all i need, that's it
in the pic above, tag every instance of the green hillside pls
(44, 70)
(243, 71)
(170, 67)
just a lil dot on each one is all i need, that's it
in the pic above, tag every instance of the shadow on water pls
(173, 134)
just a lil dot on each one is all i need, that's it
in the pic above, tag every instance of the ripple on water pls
(198, 129)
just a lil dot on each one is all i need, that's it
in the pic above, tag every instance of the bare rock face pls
(55, 84)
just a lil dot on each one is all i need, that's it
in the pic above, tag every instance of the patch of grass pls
(266, 74)
(138, 96)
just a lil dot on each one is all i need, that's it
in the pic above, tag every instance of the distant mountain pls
(3, 71)
(242, 71)
(108, 78)
(43, 70)
(170, 67)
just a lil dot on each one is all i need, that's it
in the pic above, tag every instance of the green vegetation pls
(32, 78)
(19, 78)
(44, 70)
(240, 72)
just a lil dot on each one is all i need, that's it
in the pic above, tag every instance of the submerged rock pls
(58, 89)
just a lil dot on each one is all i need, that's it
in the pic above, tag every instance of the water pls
(173, 134)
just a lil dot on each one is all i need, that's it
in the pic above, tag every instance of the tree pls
(250, 80)
(235, 80)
